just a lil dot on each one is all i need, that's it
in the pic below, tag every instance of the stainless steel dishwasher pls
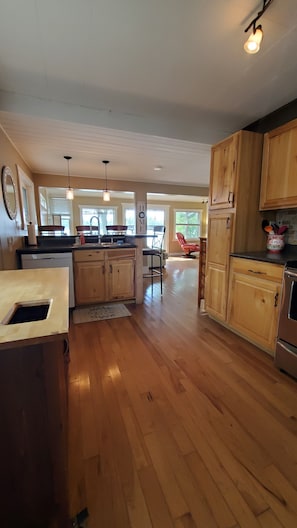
(51, 260)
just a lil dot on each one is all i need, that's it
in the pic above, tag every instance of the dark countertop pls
(69, 248)
(288, 253)
(66, 244)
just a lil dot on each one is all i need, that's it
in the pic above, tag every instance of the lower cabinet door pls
(89, 282)
(254, 310)
(216, 291)
(121, 279)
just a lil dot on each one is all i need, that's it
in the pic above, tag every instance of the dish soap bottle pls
(82, 239)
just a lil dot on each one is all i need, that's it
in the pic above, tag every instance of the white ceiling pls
(140, 83)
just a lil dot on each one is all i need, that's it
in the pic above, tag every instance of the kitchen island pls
(33, 397)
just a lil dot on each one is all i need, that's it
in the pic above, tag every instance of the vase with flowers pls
(276, 237)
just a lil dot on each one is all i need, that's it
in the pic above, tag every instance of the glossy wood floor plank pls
(175, 422)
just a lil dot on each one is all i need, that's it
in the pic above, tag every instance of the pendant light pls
(69, 191)
(106, 193)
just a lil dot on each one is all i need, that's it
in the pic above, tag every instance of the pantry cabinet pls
(234, 222)
(279, 168)
(104, 275)
(254, 301)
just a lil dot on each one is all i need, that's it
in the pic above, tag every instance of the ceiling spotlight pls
(252, 45)
(69, 191)
(158, 168)
(106, 193)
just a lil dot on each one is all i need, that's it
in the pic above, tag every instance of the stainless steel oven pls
(286, 346)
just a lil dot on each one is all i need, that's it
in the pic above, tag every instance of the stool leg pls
(161, 273)
(152, 272)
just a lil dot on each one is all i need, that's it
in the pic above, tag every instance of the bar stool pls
(50, 229)
(156, 250)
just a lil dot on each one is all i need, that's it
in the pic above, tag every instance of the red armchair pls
(187, 247)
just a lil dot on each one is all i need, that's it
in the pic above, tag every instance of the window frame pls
(186, 210)
(99, 208)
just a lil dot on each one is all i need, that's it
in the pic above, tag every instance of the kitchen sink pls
(27, 313)
(101, 245)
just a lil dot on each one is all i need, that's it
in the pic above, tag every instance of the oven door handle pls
(291, 274)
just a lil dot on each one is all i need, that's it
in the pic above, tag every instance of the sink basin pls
(27, 312)
(100, 244)
(91, 244)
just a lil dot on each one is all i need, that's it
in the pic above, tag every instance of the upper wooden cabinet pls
(223, 173)
(279, 168)
(235, 171)
(235, 186)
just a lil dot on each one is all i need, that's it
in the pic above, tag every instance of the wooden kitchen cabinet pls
(254, 301)
(223, 173)
(104, 275)
(121, 272)
(234, 222)
(218, 250)
(89, 276)
(279, 168)
(33, 407)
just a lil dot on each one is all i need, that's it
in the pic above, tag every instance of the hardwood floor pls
(175, 422)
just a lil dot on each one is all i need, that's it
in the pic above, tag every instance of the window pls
(187, 222)
(154, 216)
(61, 208)
(106, 215)
(28, 210)
(129, 218)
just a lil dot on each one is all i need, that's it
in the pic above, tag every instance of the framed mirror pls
(9, 192)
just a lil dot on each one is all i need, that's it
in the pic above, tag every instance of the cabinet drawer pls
(120, 254)
(83, 255)
(264, 270)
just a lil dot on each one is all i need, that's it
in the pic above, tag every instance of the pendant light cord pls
(68, 158)
(105, 163)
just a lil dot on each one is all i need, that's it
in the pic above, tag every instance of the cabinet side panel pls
(248, 234)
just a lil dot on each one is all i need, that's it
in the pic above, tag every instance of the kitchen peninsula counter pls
(33, 401)
(34, 286)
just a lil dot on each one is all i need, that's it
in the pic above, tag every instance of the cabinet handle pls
(228, 222)
(110, 268)
(230, 197)
(276, 299)
(257, 272)
(66, 353)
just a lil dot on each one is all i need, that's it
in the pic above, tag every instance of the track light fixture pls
(69, 191)
(106, 193)
(252, 45)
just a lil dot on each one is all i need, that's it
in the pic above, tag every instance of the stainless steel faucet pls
(98, 226)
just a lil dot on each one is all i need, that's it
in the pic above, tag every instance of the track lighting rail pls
(266, 4)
